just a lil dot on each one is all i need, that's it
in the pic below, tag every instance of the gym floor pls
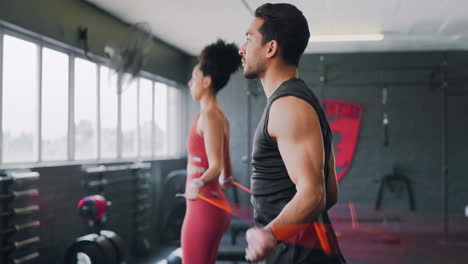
(386, 236)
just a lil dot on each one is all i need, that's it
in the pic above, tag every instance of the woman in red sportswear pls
(209, 162)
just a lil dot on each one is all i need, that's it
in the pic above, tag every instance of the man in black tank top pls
(293, 180)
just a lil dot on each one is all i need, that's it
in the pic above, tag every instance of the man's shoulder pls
(291, 104)
(291, 112)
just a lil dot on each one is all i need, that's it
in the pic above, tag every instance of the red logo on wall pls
(345, 121)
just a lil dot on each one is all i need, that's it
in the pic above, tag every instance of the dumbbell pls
(104, 182)
(17, 228)
(21, 211)
(20, 244)
(143, 207)
(143, 188)
(18, 194)
(102, 168)
(26, 258)
(93, 208)
(141, 245)
(142, 197)
(19, 176)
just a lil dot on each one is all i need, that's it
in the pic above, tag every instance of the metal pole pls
(119, 115)
(444, 145)
(39, 102)
(1, 95)
(153, 125)
(138, 134)
(71, 107)
(98, 112)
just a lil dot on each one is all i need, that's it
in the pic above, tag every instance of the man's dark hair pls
(219, 60)
(287, 25)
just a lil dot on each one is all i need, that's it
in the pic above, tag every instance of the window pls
(54, 114)
(142, 120)
(160, 119)
(20, 100)
(108, 113)
(146, 116)
(174, 113)
(85, 110)
(129, 118)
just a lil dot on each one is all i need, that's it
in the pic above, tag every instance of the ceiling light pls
(347, 37)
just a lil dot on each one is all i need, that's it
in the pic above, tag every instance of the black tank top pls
(271, 186)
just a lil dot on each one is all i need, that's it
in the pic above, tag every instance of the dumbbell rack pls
(141, 200)
(17, 252)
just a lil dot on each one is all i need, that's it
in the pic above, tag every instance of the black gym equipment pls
(92, 249)
(173, 209)
(143, 228)
(171, 260)
(142, 197)
(173, 224)
(224, 254)
(12, 249)
(142, 188)
(104, 246)
(238, 227)
(141, 211)
(174, 258)
(137, 176)
(141, 244)
(118, 243)
(390, 182)
(231, 254)
(97, 179)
